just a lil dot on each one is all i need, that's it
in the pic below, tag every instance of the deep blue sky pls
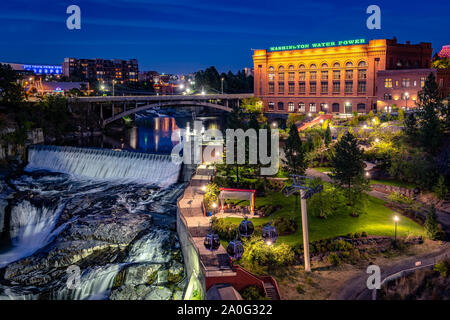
(181, 36)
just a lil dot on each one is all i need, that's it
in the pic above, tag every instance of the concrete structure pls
(121, 71)
(333, 77)
(112, 108)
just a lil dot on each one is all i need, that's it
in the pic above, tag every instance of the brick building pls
(337, 76)
(122, 71)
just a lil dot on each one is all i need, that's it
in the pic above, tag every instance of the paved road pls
(356, 288)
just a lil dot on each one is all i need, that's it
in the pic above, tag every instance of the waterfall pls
(104, 164)
(153, 247)
(95, 284)
(31, 228)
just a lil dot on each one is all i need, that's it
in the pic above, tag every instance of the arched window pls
(302, 66)
(291, 67)
(280, 73)
(361, 107)
(336, 65)
(335, 107)
(271, 105)
(280, 106)
(348, 108)
(313, 66)
(291, 107)
(271, 68)
(324, 66)
(280, 68)
(349, 64)
(271, 73)
(362, 64)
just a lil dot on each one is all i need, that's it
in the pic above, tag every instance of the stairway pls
(271, 291)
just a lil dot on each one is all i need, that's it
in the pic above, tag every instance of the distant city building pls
(45, 88)
(332, 77)
(122, 71)
(35, 69)
(248, 72)
(445, 52)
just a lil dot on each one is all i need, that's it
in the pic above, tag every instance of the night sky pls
(181, 36)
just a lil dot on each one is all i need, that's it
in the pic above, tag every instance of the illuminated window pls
(313, 66)
(324, 66)
(271, 105)
(406, 82)
(291, 67)
(361, 86)
(313, 75)
(271, 88)
(291, 76)
(348, 86)
(362, 74)
(324, 75)
(388, 83)
(301, 107)
(312, 107)
(324, 87)
(291, 107)
(348, 74)
(336, 86)
(271, 74)
(302, 76)
(302, 66)
(312, 87)
(422, 82)
(336, 65)
(281, 73)
(280, 87)
(302, 87)
(336, 75)
(387, 96)
(291, 87)
(349, 65)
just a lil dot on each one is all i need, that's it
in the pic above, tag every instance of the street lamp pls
(221, 81)
(406, 96)
(113, 83)
(396, 219)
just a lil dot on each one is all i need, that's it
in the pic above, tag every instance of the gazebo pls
(237, 194)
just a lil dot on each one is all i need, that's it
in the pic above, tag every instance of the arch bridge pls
(117, 107)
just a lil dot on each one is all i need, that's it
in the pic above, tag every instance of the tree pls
(348, 172)
(327, 138)
(411, 127)
(430, 131)
(401, 115)
(295, 161)
(440, 189)
(431, 225)
(11, 92)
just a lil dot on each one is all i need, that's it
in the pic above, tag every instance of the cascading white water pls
(152, 247)
(95, 284)
(105, 164)
(31, 228)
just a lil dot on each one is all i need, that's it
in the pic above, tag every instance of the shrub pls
(443, 268)
(334, 259)
(225, 229)
(400, 198)
(364, 234)
(285, 225)
(252, 293)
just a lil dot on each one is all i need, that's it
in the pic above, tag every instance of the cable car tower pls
(303, 184)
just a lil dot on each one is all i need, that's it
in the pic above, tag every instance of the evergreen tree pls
(10, 91)
(295, 161)
(411, 127)
(431, 225)
(348, 172)
(430, 131)
(327, 138)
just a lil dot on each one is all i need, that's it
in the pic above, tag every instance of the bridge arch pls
(165, 104)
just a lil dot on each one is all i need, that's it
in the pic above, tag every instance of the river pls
(95, 218)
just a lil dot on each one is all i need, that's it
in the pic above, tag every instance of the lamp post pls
(221, 82)
(406, 95)
(396, 218)
(303, 184)
(113, 83)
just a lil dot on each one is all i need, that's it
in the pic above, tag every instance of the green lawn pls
(378, 221)
(322, 169)
(393, 183)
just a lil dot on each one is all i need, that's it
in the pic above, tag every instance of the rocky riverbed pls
(122, 238)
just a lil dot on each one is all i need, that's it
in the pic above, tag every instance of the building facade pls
(332, 77)
(400, 88)
(121, 71)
